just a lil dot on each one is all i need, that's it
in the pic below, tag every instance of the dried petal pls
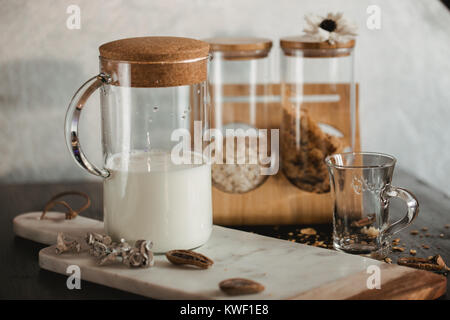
(189, 257)
(239, 286)
(435, 263)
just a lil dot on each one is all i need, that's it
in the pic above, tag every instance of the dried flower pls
(101, 246)
(62, 245)
(332, 28)
(140, 255)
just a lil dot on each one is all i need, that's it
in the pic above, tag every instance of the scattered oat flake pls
(424, 229)
(371, 232)
(414, 232)
(398, 249)
(441, 235)
(290, 234)
(412, 252)
(388, 260)
(308, 231)
(447, 226)
(425, 246)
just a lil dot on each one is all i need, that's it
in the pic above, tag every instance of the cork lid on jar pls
(155, 61)
(301, 46)
(240, 48)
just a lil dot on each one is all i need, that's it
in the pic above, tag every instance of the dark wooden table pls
(21, 277)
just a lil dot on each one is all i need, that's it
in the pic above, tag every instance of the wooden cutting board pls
(288, 270)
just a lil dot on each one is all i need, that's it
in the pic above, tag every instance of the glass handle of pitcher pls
(411, 212)
(73, 117)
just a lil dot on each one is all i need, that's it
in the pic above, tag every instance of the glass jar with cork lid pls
(240, 89)
(153, 98)
(319, 109)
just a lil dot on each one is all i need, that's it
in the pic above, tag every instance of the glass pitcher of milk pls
(153, 91)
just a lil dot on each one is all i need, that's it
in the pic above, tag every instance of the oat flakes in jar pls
(242, 111)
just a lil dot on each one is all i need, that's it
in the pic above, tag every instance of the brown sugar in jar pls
(303, 157)
(318, 109)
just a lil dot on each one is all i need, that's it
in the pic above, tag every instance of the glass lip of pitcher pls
(386, 160)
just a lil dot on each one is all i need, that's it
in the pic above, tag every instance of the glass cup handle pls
(412, 208)
(73, 117)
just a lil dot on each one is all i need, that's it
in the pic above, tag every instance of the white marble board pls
(288, 270)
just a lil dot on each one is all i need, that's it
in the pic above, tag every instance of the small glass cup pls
(361, 190)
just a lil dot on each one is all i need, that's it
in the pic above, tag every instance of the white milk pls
(148, 197)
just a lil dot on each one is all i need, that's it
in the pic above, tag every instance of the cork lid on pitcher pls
(155, 61)
(240, 48)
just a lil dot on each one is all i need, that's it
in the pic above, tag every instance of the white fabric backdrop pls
(403, 70)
